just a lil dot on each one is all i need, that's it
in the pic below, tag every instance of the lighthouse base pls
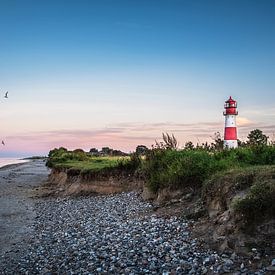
(230, 144)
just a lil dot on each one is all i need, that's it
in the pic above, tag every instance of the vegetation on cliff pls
(249, 191)
(78, 161)
(204, 168)
(210, 170)
(165, 166)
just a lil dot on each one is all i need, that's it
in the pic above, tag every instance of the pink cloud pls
(124, 136)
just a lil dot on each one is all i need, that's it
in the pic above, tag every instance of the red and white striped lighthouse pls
(230, 130)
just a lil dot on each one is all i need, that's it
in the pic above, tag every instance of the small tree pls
(256, 138)
(189, 145)
(107, 151)
(93, 151)
(218, 142)
(241, 143)
(141, 150)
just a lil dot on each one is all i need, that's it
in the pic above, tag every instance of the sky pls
(83, 74)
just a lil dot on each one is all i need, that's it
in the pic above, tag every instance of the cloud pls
(243, 121)
(126, 136)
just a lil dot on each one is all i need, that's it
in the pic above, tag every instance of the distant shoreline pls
(34, 158)
(14, 162)
(11, 162)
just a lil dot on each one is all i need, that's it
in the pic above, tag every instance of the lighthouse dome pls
(230, 107)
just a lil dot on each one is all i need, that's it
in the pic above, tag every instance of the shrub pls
(170, 168)
(252, 155)
(129, 164)
(62, 155)
(259, 203)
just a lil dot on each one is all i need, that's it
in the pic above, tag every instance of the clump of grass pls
(252, 155)
(255, 184)
(58, 157)
(176, 169)
(77, 161)
(259, 202)
(235, 179)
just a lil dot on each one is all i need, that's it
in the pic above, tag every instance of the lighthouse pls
(230, 130)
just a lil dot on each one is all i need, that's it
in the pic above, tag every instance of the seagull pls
(6, 94)
(3, 143)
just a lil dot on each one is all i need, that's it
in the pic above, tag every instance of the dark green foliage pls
(131, 164)
(252, 155)
(93, 151)
(218, 142)
(254, 188)
(62, 155)
(79, 162)
(170, 168)
(192, 166)
(141, 150)
(259, 203)
(189, 145)
(256, 138)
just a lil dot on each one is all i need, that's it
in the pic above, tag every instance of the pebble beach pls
(116, 234)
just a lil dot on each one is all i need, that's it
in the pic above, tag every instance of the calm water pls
(6, 161)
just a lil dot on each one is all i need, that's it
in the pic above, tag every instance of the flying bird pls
(3, 143)
(6, 94)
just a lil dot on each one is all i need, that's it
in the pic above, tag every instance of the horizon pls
(97, 73)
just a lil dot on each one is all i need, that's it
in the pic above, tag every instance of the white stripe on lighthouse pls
(230, 121)
(230, 143)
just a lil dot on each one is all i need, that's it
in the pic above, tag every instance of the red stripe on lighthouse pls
(230, 133)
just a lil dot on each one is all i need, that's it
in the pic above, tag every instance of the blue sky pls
(119, 73)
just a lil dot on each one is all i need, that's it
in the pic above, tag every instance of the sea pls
(7, 161)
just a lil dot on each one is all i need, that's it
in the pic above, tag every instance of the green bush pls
(131, 164)
(61, 155)
(170, 168)
(166, 167)
(259, 203)
(251, 155)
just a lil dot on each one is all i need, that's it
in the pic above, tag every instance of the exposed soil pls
(20, 184)
(221, 232)
(61, 183)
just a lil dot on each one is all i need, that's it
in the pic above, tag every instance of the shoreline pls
(17, 212)
(13, 165)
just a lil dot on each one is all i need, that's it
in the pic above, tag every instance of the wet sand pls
(16, 205)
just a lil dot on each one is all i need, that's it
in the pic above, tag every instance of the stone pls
(270, 268)
(115, 234)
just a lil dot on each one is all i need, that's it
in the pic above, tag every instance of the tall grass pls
(80, 161)
(259, 203)
(171, 168)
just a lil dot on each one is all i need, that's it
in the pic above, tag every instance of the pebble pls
(116, 234)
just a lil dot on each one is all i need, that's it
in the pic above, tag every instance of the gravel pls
(117, 234)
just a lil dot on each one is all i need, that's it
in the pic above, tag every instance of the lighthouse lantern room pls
(230, 130)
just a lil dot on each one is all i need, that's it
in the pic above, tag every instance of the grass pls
(249, 172)
(92, 163)
(214, 174)
(78, 161)
(258, 185)
(174, 169)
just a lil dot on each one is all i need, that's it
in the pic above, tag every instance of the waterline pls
(7, 161)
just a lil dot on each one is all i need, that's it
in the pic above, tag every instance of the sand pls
(17, 182)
